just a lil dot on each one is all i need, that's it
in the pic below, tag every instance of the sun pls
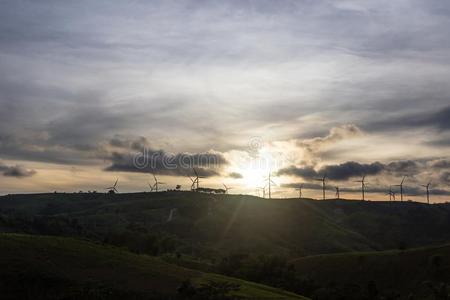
(252, 178)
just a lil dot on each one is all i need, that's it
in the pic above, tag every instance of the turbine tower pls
(269, 183)
(427, 186)
(193, 183)
(323, 179)
(197, 178)
(150, 186)
(157, 183)
(338, 196)
(390, 193)
(401, 188)
(263, 189)
(363, 186)
(113, 189)
(299, 188)
(226, 188)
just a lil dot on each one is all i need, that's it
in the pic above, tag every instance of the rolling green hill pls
(211, 225)
(422, 273)
(42, 267)
(254, 239)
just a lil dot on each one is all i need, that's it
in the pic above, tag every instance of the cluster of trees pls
(44, 225)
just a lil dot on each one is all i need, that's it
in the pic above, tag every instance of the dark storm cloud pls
(342, 171)
(159, 162)
(135, 155)
(16, 171)
(402, 167)
(350, 169)
(304, 172)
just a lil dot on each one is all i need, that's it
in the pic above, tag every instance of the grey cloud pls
(306, 172)
(137, 156)
(16, 171)
(350, 169)
(439, 120)
(440, 164)
(402, 167)
(159, 162)
(235, 175)
(336, 134)
(445, 177)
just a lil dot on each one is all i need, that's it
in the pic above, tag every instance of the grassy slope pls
(70, 268)
(224, 223)
(404, 271)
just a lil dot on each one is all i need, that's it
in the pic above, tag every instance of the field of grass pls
(337, 247)
(42, 267)
(420, 273)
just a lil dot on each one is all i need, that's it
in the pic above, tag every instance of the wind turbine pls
(263, 190)
(150, 186)
(269, 183)
(337, 193)
(323, 179)
(157, 183)
(197, 178)
(226, 188)
(193, 183)
(401, 188)
(363, 186)
(113, 189)
(428, 191)
(299, 188)
(390, 193)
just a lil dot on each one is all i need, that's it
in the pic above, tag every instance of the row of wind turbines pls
(195, 186)
(364, 184)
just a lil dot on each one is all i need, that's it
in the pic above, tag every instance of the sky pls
(95, 91)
